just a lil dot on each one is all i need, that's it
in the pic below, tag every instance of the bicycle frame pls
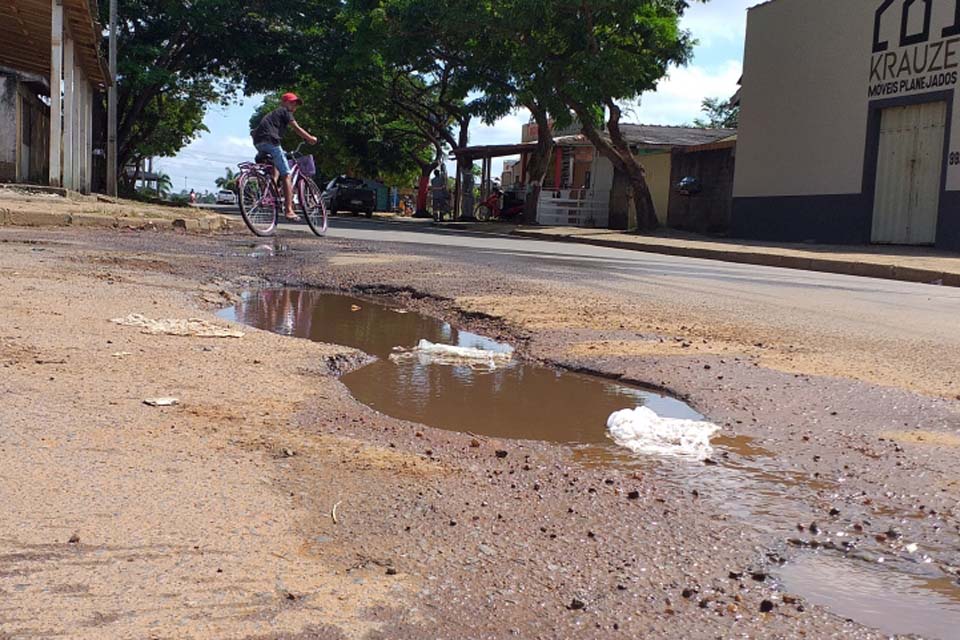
(267, 170)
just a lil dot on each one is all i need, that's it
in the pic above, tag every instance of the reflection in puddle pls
(742, 446)
(894, 603)
(516, 400)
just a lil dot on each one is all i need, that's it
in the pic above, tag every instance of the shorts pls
(279, 157)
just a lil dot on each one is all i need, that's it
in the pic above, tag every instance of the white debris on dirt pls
(643, 431)
(161, 402)
(189, 327)
(427, 352)
(13, 192)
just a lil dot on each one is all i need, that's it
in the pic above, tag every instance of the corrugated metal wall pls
(909, 170)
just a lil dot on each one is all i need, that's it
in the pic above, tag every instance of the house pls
(50, 72)
(511, 172)
(582, 188)
(847, 130)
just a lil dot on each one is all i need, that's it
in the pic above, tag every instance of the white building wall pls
(809, 72)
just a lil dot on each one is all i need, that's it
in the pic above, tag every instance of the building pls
(47, 136)
(847, 123)
(582, 188)
(706, 172)
(511, 172)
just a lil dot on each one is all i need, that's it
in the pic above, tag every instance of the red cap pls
(290, 97)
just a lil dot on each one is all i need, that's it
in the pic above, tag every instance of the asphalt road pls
(918, 319)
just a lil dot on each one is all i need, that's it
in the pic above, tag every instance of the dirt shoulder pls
(213, 518)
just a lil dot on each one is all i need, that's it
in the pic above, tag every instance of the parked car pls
(226, 197)
(349, 194)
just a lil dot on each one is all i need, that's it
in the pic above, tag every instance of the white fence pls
(574, 208)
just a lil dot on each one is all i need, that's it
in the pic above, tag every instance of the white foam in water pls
(643, 431)
(427, 352)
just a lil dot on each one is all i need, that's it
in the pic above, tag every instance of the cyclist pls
(267, 136)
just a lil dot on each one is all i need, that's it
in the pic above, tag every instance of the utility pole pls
(112, 106)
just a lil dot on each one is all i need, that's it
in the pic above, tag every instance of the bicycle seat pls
(264, 158)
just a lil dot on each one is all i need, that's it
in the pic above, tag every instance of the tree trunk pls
(464, 195)
(641, 215)
(422, 188)
(538, 164)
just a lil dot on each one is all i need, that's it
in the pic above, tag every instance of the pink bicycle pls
(262, 200)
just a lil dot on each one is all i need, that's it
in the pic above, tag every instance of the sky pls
(719, 27)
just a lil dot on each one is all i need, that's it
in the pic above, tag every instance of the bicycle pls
(262, 199)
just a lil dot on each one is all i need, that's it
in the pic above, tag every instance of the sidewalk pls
(28, 206)
(911, 264)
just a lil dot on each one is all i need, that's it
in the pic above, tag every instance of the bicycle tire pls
(258, 203)
(481, 213)
(312, 207)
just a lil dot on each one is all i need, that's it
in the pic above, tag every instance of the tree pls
(176, 58)
(384, 100)
(228, 181)
(164, 185)
(720, 114)
(585, 59)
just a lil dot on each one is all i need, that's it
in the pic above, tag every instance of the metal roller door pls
(909, 170)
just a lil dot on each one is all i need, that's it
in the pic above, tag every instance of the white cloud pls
(678, 97)
(718, 22)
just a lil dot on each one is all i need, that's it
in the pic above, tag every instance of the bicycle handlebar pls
(296, 151)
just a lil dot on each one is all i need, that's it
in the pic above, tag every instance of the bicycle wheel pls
(311, 204)
(482, 212)
(258, 203)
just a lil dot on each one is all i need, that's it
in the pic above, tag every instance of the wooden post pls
(88, 141)
(81, 172)
(82, 158)
(112, 106)
(557, 166)
(18, 135)
(78, 132)
(56, 108)
(455, 214)
(69, 111)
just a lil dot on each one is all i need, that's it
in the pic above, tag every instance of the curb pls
(19, 218)
(825, 265)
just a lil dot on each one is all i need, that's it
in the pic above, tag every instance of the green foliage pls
(164, 185)
(227, 181)
(387, 83)
(719, 114)
(176, 58)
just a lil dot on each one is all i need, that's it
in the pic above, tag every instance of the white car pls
(226, 197)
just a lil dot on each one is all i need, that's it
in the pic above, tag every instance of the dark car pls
(349, 194)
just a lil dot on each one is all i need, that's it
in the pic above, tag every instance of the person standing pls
(439, 188)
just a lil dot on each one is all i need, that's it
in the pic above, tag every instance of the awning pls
(25, 27)
(500, 150)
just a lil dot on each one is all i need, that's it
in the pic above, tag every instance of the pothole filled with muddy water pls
(429, 372)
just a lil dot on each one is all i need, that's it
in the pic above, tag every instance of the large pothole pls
(894, 586)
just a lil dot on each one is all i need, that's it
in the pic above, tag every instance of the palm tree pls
(229, 181)
(164, 184)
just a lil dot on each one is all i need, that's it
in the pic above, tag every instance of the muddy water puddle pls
(518, 399)
(894, 603)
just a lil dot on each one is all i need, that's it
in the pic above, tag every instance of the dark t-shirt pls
(273, 126)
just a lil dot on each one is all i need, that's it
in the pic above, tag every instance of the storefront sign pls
(921, 59)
